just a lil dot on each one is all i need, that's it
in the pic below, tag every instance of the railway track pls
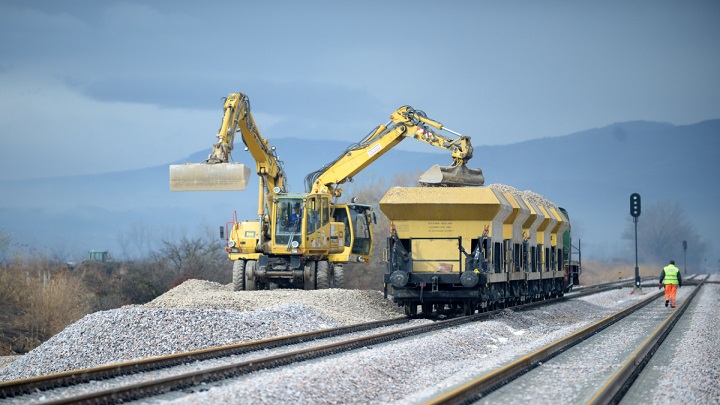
(588, 354)
(155, 376)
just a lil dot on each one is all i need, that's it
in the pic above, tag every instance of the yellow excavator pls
(302, 240)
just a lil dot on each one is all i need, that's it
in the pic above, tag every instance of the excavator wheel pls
(309, 275)
(249, 276)
(338, 276)
(323, 272)
(238, 275)
(452, 176)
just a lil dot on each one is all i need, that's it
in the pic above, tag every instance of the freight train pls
(475, 248)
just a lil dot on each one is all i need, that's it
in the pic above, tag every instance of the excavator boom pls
(406, 122)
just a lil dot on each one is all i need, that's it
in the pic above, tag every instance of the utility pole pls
(635, 213)
(685, 255)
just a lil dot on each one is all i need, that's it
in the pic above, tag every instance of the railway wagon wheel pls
(249, 275)
(468, 308)
(238, 275)
(323, 272)
(410, 309)
(427, 309)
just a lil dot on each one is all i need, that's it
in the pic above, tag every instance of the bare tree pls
(137, 237)
(662, 228)
(200, 257)
(123, 240)
(59, 252)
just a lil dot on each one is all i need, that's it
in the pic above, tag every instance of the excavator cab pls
(302, 224)
(288, 222)
(358, 220)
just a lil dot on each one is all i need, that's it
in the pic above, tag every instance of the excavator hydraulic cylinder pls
(209, 177)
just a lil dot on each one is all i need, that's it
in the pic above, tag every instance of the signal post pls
(635, 213)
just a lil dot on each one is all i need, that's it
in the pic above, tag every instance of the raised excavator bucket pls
(209, 177)
(452, 176)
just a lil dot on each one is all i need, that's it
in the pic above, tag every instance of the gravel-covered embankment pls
(196, 315)
(201, 314)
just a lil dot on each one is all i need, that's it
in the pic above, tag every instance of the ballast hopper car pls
(473, 248)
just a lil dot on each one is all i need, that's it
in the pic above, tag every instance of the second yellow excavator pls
(302, 240)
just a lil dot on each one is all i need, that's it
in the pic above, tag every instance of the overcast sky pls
(96, 86)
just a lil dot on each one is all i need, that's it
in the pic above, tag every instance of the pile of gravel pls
(526, 195)
(346, 307)
(196, 315)
(135, 333)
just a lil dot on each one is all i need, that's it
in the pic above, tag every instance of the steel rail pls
(616, 387)
(472, 390)
(75, 377)
(160, 386)
(68, 378)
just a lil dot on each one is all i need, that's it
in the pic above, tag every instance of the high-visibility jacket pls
(670, 274)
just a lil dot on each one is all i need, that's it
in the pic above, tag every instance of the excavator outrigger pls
(302, 240)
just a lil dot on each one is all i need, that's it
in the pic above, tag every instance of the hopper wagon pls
(475, 248)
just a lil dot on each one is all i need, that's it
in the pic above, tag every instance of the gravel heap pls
(526, 195)
(504, 188)
(196, 315)
(346, 307)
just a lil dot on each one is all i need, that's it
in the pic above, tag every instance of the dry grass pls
(596, 272)
(37, 302)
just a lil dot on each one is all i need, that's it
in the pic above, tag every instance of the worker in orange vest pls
(670, 276)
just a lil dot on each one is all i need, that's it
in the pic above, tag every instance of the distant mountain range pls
(590, 173)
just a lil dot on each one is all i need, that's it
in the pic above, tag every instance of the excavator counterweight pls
(209, 176)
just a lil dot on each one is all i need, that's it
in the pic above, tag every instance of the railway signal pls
(635, 213)
(635, 205)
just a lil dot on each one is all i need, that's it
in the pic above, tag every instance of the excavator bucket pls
(452, 176)
(209, 176)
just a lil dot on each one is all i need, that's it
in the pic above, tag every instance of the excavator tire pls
(452, 176)
(323, 272)
(209, 177)
(338, 276)
(250, 282)
(309, 275)
(238, 275)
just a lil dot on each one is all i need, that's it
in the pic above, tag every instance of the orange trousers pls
(671, 293)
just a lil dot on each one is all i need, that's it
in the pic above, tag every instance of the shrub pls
(38, 301)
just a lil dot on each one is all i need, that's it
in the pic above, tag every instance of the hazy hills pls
(590, 173)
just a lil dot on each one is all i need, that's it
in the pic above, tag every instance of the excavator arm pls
(238, 118)
(406, 122)
(218, 173)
